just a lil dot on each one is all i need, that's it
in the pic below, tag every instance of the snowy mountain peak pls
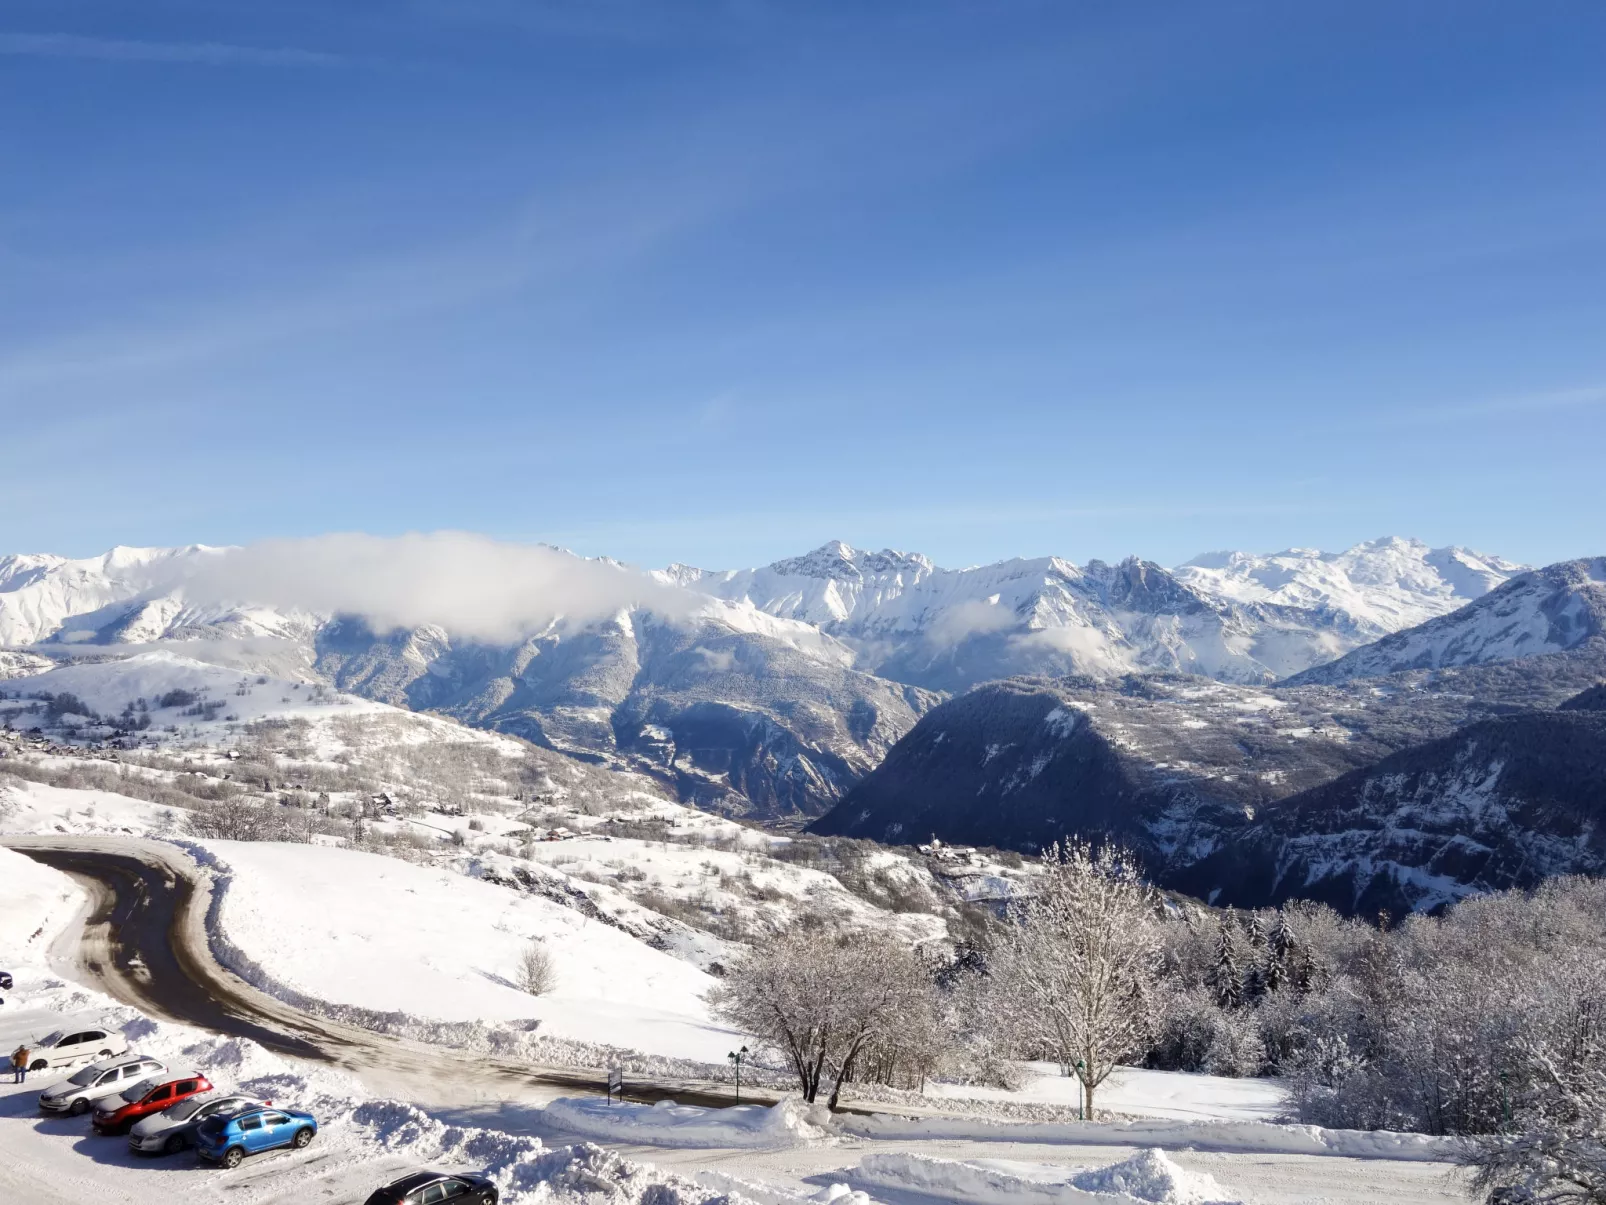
(1381, 585)
(841, 561)
(1547, 610)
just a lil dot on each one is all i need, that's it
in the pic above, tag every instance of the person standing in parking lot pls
(19, 1064)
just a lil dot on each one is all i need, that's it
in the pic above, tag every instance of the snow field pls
(372, 933)
(1137, 1091)
(789, 1123)
(1248, 1137)
(1148, 1176)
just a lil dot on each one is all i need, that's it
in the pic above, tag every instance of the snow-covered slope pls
(381, 935)
(1384, 585)
(1547, 610)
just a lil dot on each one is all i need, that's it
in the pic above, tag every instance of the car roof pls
(416, 1179)
(123, 1060)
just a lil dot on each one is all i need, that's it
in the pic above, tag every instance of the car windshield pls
(186, 1110)
(50, 1039)
(84, 1076)
(137, 1092)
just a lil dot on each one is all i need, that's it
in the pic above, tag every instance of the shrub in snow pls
(833, 1005)
(537, 974)
(1558, 1150)
(1195, 1034)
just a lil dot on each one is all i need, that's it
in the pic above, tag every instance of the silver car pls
(76, 1094)
(174, 1129)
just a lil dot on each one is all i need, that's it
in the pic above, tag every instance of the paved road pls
(144, 943)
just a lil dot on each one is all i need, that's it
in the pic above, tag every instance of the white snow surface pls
(1239, 1136)
(376, 937)
(669, 1124)
(1138, 1091)
(362, 1141)
(1148, 1176)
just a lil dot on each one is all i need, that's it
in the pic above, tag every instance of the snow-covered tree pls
(1076, 972)
(1282, 948)
(1226, 978)
(1557, 1152)
(826, 1001)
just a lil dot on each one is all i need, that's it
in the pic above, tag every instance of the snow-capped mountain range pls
(770, 690)
(1233, 616)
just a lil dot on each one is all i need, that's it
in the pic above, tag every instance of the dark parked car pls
(6, 982)
(428, 1188)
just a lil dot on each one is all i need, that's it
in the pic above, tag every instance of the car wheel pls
(38, 1065)
(174, 1144)
(105, 1054)
(301, 1139)
(80, 1107)
(233, 1157)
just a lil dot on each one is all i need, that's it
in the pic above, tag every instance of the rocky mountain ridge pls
(767, 691)
(1221, 788)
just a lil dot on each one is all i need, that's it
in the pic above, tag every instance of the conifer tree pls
(1227, 978)
(1282, 951)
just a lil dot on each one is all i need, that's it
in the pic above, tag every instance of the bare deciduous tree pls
(827, 1001)
(236, 818)
(537, 973)
(1075, 976)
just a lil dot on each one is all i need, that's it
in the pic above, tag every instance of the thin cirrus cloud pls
(127, 50)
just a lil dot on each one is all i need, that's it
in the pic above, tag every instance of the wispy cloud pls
(125, 50)
(1537, 401)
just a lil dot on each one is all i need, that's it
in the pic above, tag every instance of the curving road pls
(144, 943)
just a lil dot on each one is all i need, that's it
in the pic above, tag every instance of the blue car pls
(228, 1140)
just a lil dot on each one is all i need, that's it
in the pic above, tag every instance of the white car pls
(77, 1094)
(74, 1047)
(174, 1129)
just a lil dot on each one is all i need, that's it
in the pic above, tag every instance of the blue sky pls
(716, 282)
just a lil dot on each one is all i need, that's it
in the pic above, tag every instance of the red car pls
(116, 1113)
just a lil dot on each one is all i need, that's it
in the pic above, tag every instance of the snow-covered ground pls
(772, 1156)
(1140, 1092)
(375, 934)
(1147, 1176)
(362, 1141)
(750, 892)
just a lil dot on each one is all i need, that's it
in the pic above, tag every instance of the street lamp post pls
(736, 1057)
(1081, 1105)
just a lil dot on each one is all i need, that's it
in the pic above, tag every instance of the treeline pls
(1488, 1022)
